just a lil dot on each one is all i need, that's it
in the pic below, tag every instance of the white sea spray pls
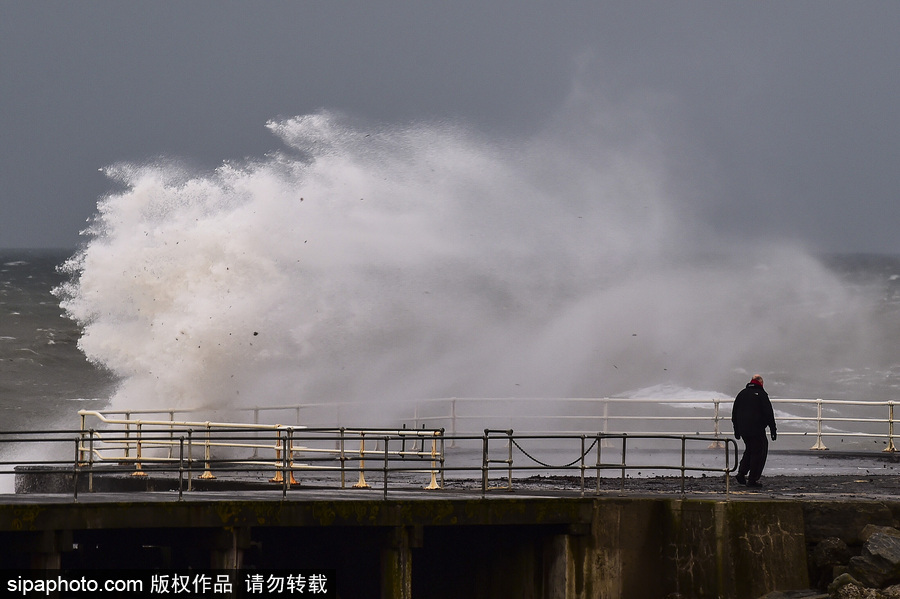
(374, 262)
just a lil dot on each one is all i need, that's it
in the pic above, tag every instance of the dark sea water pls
(44, 378)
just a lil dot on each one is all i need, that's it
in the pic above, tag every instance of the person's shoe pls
(740, 478)
(754, 483)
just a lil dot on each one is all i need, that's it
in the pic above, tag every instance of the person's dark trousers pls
(756, 449)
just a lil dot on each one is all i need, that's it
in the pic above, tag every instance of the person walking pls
(751, 414)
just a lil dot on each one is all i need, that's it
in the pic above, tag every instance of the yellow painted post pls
(138, 471)
(207, 475)
(361, 483)
(278, 477)
(433, 484)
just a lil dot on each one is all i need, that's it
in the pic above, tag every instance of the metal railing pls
(239, 447)
(800, 421)
(415, 456)
(588, 444)
(401, 457)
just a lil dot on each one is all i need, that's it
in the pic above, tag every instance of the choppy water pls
(44, 377)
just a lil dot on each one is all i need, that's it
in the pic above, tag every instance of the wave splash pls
(424, 261)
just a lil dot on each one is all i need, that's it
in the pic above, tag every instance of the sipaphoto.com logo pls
(36, 585)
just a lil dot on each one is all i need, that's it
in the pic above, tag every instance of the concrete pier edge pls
(451, 544)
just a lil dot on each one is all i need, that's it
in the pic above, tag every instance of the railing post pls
(605, 401)
(277, 478)
(181, 468)
(343, 460)
(190, 459)
(890, 445)
(361, 483)
(284, 466)
(716, 444)
(683, 450)
(386, 465)
(127, 433)
(509, 458)
(75, 471)
(79, 457)
(171, 432)
(582, 465)
(452, 423)
(433, 484)
(819, 445)
(624, 444)
(207, 474)
(289, 457)
(284, 454)
(442, 457)
(138, 471)
(484, 463)
(91, 462)
(600, 440)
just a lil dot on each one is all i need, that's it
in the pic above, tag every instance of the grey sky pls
(782, 116)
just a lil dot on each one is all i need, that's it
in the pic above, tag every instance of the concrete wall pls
(502, 546)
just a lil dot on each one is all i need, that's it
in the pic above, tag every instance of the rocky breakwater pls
(840, 570)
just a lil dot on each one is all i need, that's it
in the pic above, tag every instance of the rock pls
(870, 529)
(831, 552)
(845, 587)
(870, 570)
(826, 557)
(879, 563)
(884, 546)
(854, 592)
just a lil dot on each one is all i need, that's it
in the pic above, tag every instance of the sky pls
(777, 119)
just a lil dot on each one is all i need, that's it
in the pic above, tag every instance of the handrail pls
(513, 440)
(295, 451)
(797, 418)
(286, 444)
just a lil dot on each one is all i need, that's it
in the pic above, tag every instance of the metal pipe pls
(75, 472)
(890, 443)
(181, 468)
(582, 465)
(385, 483)
(484, 463)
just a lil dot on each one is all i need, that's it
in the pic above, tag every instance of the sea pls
(44, 378)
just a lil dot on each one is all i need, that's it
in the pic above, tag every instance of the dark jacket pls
(752, 412)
